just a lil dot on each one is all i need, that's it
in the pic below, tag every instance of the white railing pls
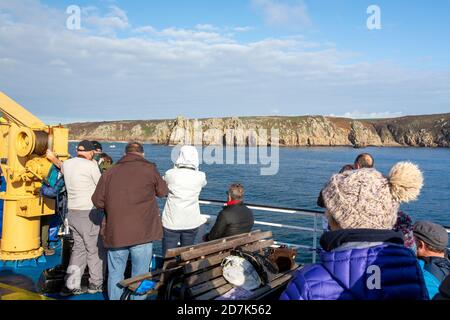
(316, 215)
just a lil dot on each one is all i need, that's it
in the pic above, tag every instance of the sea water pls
(303, 172)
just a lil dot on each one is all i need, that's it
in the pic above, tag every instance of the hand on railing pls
(53, 158)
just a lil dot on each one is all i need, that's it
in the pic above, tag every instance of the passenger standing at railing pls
(432, 242)
(362, 161)
(103, 160)
(362, 257)
(181, 217)
(2, 189)
(127, 192)
(98, 151)
(105, 163)
(81, 176)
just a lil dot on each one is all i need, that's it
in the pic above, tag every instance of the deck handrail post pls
(315, 239)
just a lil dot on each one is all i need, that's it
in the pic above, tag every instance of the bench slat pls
(224, 245)
(254, 247)
(171, 253)
(203, 277)
(207, 286)
(147, 276)
(282, 279)
(207, 262)
(210, 295)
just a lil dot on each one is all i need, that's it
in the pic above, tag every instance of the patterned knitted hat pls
(365, 199)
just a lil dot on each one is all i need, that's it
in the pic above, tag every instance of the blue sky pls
(199, 58)
(412, 30)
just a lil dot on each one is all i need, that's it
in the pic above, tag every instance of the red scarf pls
(233, 202)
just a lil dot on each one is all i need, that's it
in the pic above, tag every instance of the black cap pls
(97, 145)
(85, 146)
(320, 201)
(432, 234)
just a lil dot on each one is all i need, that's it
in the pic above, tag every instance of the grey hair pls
(236, 192)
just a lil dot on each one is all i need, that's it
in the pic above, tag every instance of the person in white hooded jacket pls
(181, 216)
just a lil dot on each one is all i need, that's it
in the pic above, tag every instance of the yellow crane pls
(24, 140)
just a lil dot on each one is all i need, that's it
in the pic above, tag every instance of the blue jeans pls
(141, 258)
(173, 237)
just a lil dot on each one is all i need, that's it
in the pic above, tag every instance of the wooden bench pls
(195, 273)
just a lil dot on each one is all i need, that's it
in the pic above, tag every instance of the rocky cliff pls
(415, 131)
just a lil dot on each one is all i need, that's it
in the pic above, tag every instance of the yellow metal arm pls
(14, 112)
(24, 140)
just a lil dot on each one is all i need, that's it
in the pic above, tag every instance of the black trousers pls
(173, 237)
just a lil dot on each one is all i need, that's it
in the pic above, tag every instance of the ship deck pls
(21, 282)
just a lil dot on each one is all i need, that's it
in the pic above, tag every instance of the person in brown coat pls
(127, 192)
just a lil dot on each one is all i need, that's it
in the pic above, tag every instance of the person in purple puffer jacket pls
(362, 258)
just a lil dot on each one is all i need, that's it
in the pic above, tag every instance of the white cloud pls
(242, 29)
(371, 115)
(146, 29)
(183, 34)
(152, 73)
(192, 35)
(282, 13)
(108, 24)
(275, 111)
(206, 27)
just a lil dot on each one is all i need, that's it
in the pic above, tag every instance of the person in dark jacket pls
(444, 290)
(127, 192)
(105, 162)
(431, 243)
(235, 218)
(98, 151)
(362, 258)
(363, 161)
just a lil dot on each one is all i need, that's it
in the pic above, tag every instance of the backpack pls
(283, 258)
(265, 268)
(53, 185)
(241, 273)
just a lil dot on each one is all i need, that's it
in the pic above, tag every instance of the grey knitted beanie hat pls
(365, 199)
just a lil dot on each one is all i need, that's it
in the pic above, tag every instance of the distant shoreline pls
(280, 146)
(427, 131)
